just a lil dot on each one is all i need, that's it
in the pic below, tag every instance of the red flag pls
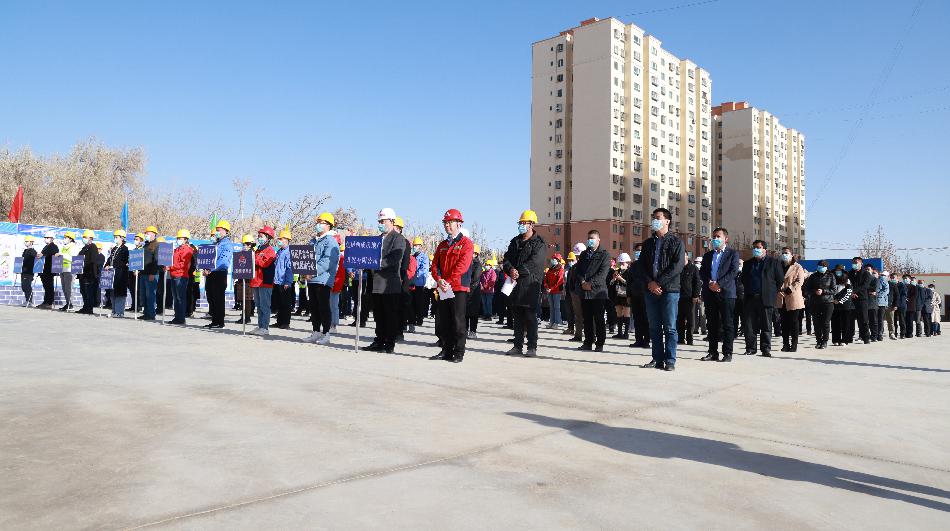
(16, 210)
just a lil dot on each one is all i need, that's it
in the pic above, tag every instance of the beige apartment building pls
(619, 126)
(759, 169)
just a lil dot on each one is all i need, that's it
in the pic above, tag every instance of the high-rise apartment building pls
(619, 126)
(759, 172)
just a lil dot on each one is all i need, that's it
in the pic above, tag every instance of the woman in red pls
(554, 287)
(263, 281)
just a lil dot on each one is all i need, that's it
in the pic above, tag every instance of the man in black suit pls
(864, 289)
(761, 276)
(718, 275)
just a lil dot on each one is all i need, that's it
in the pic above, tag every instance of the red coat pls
(452, 262)
(340, 277)
(554, 280)
(181, 262)
(411, 272)
(264, 267)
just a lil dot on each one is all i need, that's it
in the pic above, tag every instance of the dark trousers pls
(420, 304)
(525, 321)
(595, 329)
(758, 324)
(928, 323)
(180, 297)
(194, 294)
(720, 317)
(739, 321)
(284, 304)
(26, 284)
(879, 333)
(872, 321)
(910, 317)
(303, 300)
(641, 327)
(821, 316)
(318, 296)
(685, 316)
(214, 289)
(840, 318)
(386, 313)
(450, 323)
(790, 322)
(87, 289)
(900, 324)
(48, 294)
(408, 311)
(860, 314)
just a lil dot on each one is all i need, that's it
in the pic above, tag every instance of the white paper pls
(508, 286)
(447, 294)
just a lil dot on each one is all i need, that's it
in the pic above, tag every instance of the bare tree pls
(877, 245)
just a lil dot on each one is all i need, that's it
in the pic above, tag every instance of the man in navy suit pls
(718, 276)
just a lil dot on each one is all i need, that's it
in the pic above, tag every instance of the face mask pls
(838, 273)
(636, 255)
(623, 266)
(220, 235)
(591, 243)
(522, 228)
(822, 269)
(118, 241)
(786, 257)
(29, 244)
(321, 228)
(149, 237)
(48, 240)
(906, 281)
(416, 250)
(181, 241)
(88, 240)
(381, 228)
(920, 285)
(570, 264)
(758, 252)
(874, 275)
(893, 281)
(656, 224)
(855, 266)
(717, 243)
(139, 243)
(554, 263)
(261, 241)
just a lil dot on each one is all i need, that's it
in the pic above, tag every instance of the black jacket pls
(151, 258)
(634, 278)
(29, 258)
(119, 261)
(863, 284)
(473, 306)
(527, 256)
(672, 256)
(772, 277)
(690, 286)
(593, 267)
(49, 251)
(823, 281)
(90, 253)
(392, 264)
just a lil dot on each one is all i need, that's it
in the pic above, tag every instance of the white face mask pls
(181, 241)
(118, 241)
(88, 240)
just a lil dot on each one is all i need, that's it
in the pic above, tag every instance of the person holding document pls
(524, 265)
(451, 269)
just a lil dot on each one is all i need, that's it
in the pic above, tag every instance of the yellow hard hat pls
(327, 217)
(28, 239)
(571, 256)
(160, 239)
(223, 224)
(478, 248)
(184, 233)
(399, 222)
(140, 236)
(99, 246)
(152, 228)
(285, 234)
(431, 257)
(247, 239)
(88, 233)
(417, 241)
(119, 232)
(69, 234)
(528, 215)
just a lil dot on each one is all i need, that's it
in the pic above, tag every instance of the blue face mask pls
(855, 266)
(717, 243)
(906, 281)
(590, 243)
(381, 228)
(636, 255)
(261, 241)
(522, 228)
(656, 224)
(554, 262)
(838, 272)
(822, 269)
(758, 252)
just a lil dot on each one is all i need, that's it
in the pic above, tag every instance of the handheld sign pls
(207, 254)
(107, 278)
(362, 252)
(242, 264)
(165, 254)
(79, 262)
(39, 263)
(302, 260)
(57, 265)
(18, 265)
(136, 259)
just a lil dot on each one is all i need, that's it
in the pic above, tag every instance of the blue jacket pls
(283, 272)
(900, 300)
(883, 288)
(223, 261)
(726, 274)
(327, 254)
(422, 270)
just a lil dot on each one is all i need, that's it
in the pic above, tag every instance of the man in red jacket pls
(180, 271)
(263, 281)
(451, 270)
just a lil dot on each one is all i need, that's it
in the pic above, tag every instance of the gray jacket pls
(388, 280)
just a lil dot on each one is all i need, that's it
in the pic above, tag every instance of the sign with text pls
(107, 278)
(136, 259)
(303, 261)
(207, 254)
(79, 262)
(39, 264)
(165, 254)
(18, 265)
(57, 265)
(362, 252)
(242, 265)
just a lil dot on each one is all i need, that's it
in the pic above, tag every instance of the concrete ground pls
(111, 424)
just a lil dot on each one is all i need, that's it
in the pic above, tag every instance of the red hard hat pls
(267, 230)
(452, 215)
(558, 257)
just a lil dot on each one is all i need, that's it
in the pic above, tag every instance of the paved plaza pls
(117, 424)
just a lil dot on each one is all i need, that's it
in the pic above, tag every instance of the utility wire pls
(671, 8)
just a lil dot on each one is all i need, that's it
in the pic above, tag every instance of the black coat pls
(49, 251)
(119, 261)
(527, 256)
(772, 277)
(672, 257)
(388, 280)
(473, 306)
(90, 253)
(823, 281)
(593, 267)
(151, 258)
(690, 286)
(863, 284)
(29, 258)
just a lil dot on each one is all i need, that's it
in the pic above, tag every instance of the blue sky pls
(423, 106)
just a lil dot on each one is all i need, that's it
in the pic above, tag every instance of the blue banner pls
(165, 254)
(362, 252)
(206, 256)
(242, 265)
(136, 259)
(107, 278)
(303, 261)
(18, 265)
(76, 267)
(57, 264)
(39, 263)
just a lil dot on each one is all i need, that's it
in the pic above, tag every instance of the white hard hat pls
(623, 258)
(49, 234)
(579, 248)
(465, 232)
(386, 213)
(885, 274)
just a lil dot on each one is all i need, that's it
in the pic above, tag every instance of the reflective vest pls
(67, 252)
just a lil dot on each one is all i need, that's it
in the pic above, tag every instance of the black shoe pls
(64, 308)
(680, 341)
(726, 358)
(866, 342)
(375, 346)
(784, 349)
(143, 318)
(176, 322)
(239, 321)
(457, 357)
(669, 367)
(389, 348)
(766, 354)
(649, 365)
(599, 348)
(514, 351)
(282, 327)
(510, 340)
(86, 311)
(585, 346)
(400, 337)
(212, 325)
(689, 342)
(439, 356)
(710, 357)
(617, 336)
(749, 353)
(576, 339)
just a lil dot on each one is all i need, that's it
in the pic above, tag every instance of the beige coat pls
(794, 278)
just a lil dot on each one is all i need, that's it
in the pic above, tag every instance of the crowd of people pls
(658, 294)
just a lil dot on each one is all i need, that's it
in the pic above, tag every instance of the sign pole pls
(243, 309)
(162, 302)
(135, 298)
(359, 306)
